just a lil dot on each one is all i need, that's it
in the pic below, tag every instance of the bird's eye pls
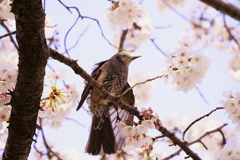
(124, 55)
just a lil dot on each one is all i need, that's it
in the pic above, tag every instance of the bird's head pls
(125, 57)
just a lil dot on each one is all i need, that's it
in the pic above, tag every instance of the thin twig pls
(206, 115)
(201, 95)
(229, 32)
(8, 34)
(148, 80)
(122, 39)
(219, 129)
(71, 119)
(76, 43)
(162, 27)
(11, 37)
(45, 142)
(177, 12)
(153, 41)
(155, 138)
(84, 17)
(34, 145)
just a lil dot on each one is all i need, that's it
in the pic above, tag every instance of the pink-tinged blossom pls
(228, 94)
(141, 129)
(230, 151)
(5, 8)
(197, 58)
(130, 141)
(120, 126)
(124, 13)
(136, 136)
(128, 131)
(4, 113)
(185, 43)
(231, 105)
(183, 52)
(181, 62)
(168, 59)
(149, 124)
(187, 69)
(58, 102)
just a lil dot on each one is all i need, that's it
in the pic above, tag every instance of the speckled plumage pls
(112, 74)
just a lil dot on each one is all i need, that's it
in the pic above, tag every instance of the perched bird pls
(112, 74)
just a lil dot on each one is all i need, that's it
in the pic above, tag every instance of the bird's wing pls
(129, 99)
(95, 74)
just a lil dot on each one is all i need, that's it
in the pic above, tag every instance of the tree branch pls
(229, 32)
(33, 55)
(8, 34)
(224, 7)
(78, 70)
(122, 39)
(49, 150)
(11, 37)
(148, 80)
(206, 115)
(219, 129)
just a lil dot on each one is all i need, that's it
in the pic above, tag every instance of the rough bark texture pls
(224, 7)
(33, 56)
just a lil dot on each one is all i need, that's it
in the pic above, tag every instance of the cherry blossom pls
(136, 135)
(5, 10)
(124, 13)
(58, 102)
(187, 69)
(163, 7)
(232, 107)
(229, 151)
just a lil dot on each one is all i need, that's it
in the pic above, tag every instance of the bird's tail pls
(101, 139)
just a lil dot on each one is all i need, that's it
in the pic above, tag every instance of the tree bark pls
(33, 55)
(224, 7)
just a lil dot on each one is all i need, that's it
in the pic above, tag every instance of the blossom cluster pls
(56, 105)
(8, 79)
(209, 29)
(234, 68)
(137, 136)
(140, 31)
(5, 10)
(185, 68)
(165, 6)
(229, 151)
(124, 13)
(232, 107)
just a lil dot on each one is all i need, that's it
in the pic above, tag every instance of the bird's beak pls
(135, 57)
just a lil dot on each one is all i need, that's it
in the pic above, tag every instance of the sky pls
(93, 48)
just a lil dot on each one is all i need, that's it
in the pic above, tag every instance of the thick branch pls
(78, 70)
(33, 56)
(224, 7)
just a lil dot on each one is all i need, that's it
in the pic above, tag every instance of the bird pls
(112, 74)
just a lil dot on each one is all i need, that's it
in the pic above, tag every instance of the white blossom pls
(187, 69)
(124, 13)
